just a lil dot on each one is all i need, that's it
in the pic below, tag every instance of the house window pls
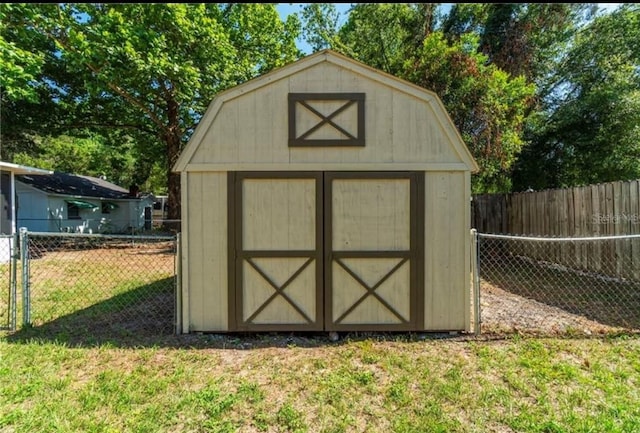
(107, 207)
(73, 211)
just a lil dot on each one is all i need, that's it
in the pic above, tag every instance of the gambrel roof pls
(246, 127)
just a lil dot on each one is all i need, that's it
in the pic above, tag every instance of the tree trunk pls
(174, 146)
(173, 179)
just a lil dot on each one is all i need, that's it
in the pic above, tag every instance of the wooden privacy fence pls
(607, 209)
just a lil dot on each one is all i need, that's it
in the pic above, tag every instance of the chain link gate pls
(98, 286)
(8, 281)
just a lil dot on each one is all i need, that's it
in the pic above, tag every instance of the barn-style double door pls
(326, 251)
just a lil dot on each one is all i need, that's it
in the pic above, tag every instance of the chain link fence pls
(96, 286)
(104, 287)
(554, 286)
(7, 282)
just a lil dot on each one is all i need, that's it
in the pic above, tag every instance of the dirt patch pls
(505, 312)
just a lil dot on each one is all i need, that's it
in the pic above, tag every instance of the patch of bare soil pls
(505, 312)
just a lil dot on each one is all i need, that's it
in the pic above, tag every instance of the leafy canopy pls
(589, 130)
(148, 70)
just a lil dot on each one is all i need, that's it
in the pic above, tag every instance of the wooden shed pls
(325, 195)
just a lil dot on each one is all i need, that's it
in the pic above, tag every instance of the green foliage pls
(147, 69)
(486, 104)
(589, 131)
(379, 35)
(320, 24)
(519, 38)
(19, 66)
(86, 156)
(157, 180)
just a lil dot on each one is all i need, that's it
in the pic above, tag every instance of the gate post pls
(24, 260)
(13, 282)
(178, 284)
(475, 275)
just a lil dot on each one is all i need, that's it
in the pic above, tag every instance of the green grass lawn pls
(296, 384)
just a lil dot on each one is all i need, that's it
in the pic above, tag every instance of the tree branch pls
(112, 85)
(78, 125)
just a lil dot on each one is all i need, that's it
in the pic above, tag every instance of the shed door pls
(278, 251)
(333, 251)
(373, 251)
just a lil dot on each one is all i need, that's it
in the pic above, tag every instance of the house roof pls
(346, 63)
(75, 185)
(22, 169)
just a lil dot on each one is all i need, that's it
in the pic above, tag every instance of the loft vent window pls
(326, 119)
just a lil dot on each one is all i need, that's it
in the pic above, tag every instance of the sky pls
(284, 9)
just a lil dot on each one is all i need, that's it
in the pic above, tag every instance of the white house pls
(8, 172)
(63, 202)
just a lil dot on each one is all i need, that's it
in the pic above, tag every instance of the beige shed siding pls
(206, 279)
(253, 128)
(446, 251)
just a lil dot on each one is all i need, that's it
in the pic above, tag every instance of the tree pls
(320, 24)
(19, 66)
(380, 35)
(88, 156)
(519, 38)
(589, 130)
(26, 101)
(486, 104)
(151, 69)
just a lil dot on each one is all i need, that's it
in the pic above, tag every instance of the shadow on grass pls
(126, 319)
(609, 301)
(145, 317)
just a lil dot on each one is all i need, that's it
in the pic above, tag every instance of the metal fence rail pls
(99, 285)
(558, 285)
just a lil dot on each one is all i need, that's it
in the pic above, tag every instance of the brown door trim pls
(237, 256)
(323, 254)
(415, 254)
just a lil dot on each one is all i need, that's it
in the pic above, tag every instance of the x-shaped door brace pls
(279, 290)
(303, 99)
(371, 291)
